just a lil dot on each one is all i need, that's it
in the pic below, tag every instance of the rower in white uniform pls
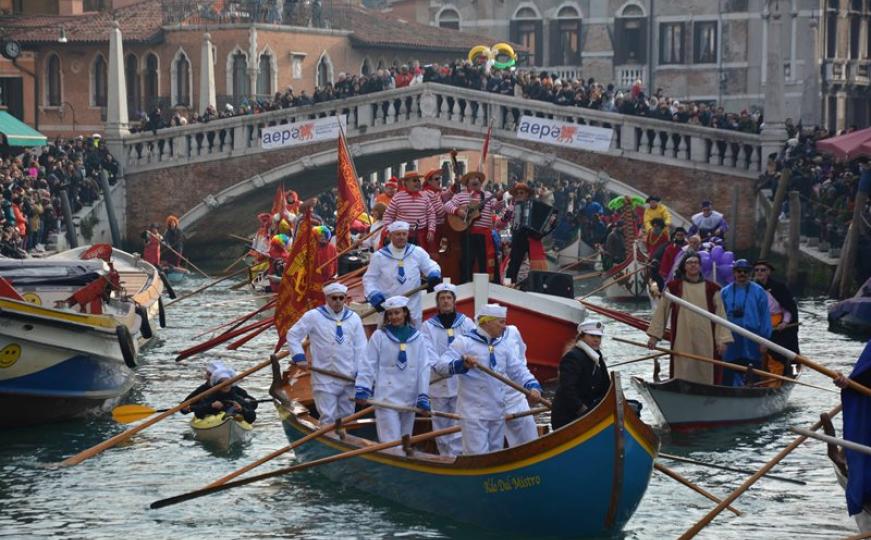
(519, 430)
(395, 371)
(482, 400)
(396, 269)
(337, 342)
(441, 330)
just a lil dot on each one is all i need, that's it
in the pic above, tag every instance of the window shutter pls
(619, 44)
(555, 52)
(539, 43)
(513, 32)
(641, 51)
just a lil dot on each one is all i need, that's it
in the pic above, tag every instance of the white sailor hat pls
(398, 226)
(591, 327)
(335, 288)
(395, 302)
(445, 287)
(493, 310)
(215, 365)
(220, 375)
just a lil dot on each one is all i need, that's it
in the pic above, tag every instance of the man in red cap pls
(414, 207)
(390, 188)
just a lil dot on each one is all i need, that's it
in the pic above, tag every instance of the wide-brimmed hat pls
(433, 174)
(519, 186)
(410, 175)
(474, 174)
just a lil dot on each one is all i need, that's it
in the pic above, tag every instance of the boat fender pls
(166, 284)
(161, 313)
(125, 341)
(145, 325)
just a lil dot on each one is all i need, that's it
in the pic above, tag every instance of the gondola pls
(583, 480)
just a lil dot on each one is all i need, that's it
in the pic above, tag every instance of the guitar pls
(473, 212)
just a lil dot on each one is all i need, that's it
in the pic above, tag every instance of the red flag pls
(278, 203)
(485, 148)
(350, 203)
(300, 288)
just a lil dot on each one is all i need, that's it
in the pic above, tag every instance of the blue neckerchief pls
(490, 343)
(343, 316)
(402, 335)
(458, 321)
(400, 275)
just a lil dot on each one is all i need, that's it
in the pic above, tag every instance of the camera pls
(739, 312)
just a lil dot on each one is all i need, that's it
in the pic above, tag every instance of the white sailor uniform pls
(397, 372)
(519, 430)
(337, 342)
(443, 394)
(394, 272)
(482, 400)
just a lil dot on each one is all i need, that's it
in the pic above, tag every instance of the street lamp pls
(62, 38)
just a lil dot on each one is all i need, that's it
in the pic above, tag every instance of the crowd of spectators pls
(31, 183)
(529, 84)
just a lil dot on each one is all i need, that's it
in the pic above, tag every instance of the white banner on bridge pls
(308, 131)
(578, 136)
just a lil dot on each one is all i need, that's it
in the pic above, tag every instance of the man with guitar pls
(472, 210)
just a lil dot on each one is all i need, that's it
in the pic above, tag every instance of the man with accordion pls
(531, 220)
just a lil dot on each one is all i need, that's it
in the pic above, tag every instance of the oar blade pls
(127, 414)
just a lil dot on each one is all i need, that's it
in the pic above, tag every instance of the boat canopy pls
(38, 272)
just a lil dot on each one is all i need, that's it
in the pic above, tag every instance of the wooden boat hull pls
(220, 431)
(56, 365)
(575, 256)
(631, 287)
(583, 480)
(685, 405)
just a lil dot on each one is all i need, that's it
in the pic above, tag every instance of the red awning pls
(849, 146)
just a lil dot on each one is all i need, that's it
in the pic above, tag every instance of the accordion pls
(535, 217)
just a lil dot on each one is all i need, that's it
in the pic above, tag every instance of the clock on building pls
(11, 49)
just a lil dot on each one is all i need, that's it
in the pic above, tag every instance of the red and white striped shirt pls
(416, 209)
(437, 204)
(464, 198)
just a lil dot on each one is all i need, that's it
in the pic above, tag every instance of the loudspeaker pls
(349, 263)
(553, 283)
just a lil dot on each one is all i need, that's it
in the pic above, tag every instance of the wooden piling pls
(794, 252)
(771, 225)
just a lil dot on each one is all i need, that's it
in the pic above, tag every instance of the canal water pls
(108, 496)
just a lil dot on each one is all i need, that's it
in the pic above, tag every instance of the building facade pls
(707, 51)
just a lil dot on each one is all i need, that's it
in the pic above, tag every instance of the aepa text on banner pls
(307, 131)
(578, 136)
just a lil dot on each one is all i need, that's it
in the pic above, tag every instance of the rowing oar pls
(410, 293)
(702, 523)
(588, 275)
(729, 365)
(783, 351)
(212, 343)
(206, 286)
(241, 319)
(509, 382)
(240, 238)
(850, 445)
(180, 256)
(121, 437)
(682, 459)
(612, 281)
(354, 245)
(698, 489)
(302, 466)
(234, 263)
(647, 357)
(127, 414)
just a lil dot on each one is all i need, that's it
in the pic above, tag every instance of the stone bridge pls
(217, 176)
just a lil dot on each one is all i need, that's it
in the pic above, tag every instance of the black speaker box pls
(554, 283)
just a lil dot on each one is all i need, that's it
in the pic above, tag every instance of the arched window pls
(565, 37)
(264, 76)
(831, 28)
(366, 68)
(152, 75)
(526, 28)
(324, 71)
(856, 20)
(131, 77)
(181, 80)
(449, 18)
(630, 36)
(240, 76)
(99, 82)
(53, 92)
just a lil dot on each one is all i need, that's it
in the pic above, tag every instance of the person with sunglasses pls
(336, 342)
(746, 305)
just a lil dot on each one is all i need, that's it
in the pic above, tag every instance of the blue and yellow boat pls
(583, 480)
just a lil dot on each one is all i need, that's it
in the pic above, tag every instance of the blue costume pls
(746, 306)
(857, 428)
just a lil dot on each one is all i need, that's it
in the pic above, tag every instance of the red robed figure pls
(350, 200)
(301, 287)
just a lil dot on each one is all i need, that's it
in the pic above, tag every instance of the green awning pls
(14, 132)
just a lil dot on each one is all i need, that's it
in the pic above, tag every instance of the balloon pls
(707, 263)
(717, 254)
(727, 259)
(724, 273)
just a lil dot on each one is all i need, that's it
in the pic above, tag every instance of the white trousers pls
(482, 436)
(334, 405)
(521, 430)
(392, 425)
(448, 445)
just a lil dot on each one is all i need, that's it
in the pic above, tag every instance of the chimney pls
(70, 7)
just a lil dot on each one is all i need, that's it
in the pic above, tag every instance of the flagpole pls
(353, 165)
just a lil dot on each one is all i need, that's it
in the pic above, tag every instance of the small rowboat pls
(685, 405)
(629, 279)
(575, 256)
(583, 480)
(221, 431)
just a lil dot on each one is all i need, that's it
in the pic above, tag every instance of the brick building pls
(59, 84)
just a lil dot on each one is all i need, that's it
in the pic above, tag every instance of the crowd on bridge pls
(31, 183)
(538, 85)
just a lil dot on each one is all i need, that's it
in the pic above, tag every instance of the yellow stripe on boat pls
(100, 321)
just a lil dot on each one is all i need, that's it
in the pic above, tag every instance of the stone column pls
(116, 106)
(253, 62)
(774, 132)
(207, 75)
(810, 99)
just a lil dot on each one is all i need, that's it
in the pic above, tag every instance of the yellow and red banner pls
(350, 200)
(301, 288)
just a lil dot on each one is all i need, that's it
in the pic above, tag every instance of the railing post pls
(698, 149)
(240, 137)
(628, 137)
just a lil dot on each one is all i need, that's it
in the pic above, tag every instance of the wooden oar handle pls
(677, 477)
(412, 292)
(509, 382)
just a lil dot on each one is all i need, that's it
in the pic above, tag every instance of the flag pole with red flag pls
(350, 199)
(300, 289)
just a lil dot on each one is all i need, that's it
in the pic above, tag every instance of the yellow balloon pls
(479, 50)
